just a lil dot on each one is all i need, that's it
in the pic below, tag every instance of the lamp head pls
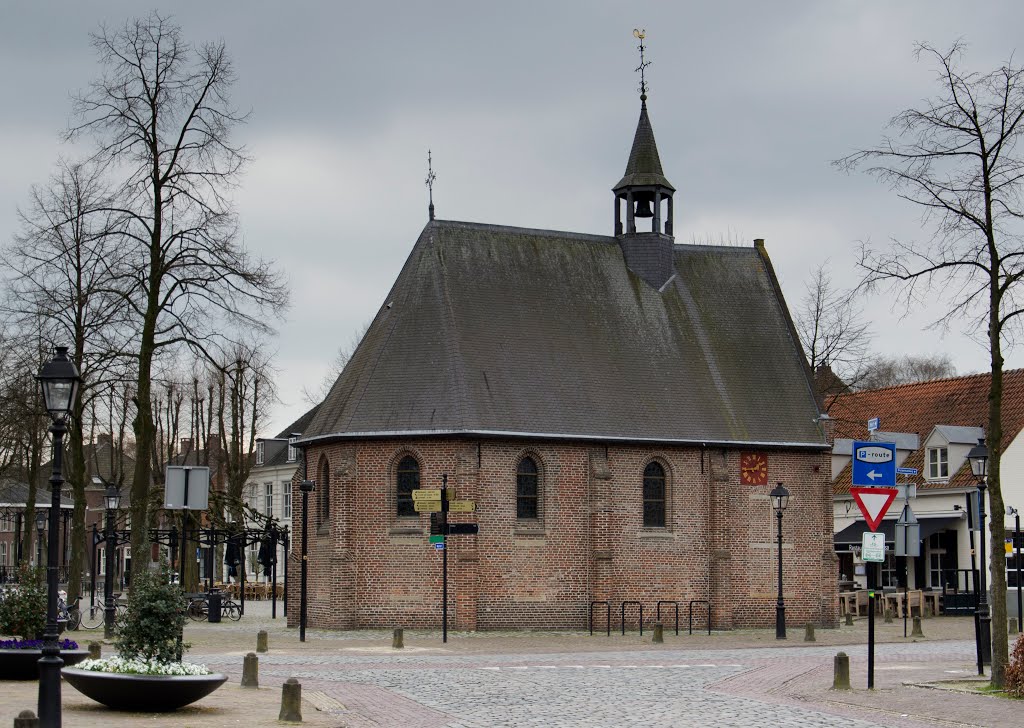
(59, 381)
(40, 520)
(112, 497)
(306, 486)
(978, 456)
(780, 498)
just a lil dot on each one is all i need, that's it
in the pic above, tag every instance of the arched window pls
(323, 487)
(407, 480)
(527, 490)
(654, 496)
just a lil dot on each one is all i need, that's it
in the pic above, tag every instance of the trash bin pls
(213, 603)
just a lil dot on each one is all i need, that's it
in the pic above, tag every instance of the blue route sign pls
(874, 464)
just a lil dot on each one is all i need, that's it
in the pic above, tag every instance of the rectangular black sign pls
(463, 529)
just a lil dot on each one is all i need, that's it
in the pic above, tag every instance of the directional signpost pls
(438, 500)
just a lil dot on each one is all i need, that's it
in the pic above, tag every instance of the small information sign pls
(437, 539)
(427, 506)
(461, 506)
(429, 494)
(439, 546)
(873, 547)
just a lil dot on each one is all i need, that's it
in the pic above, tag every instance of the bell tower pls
(645, 193)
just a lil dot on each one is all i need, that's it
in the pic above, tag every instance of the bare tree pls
(833, 333)
(60, 268)
(162, 119)
(957, 159)
(884, 371)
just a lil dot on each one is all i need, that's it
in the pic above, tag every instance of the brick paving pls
(485, 680)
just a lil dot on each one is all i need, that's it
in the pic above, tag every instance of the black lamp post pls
(306, 486)
(112, 499)
(40, 530)
(780, 499)
(979, 466)
(59, 381)
(1016, 551)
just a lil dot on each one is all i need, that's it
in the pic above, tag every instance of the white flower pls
(124, 666)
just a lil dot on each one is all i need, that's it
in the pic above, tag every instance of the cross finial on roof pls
(430, 183)
(640, 34)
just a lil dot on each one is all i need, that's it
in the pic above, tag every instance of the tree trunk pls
(997, 575)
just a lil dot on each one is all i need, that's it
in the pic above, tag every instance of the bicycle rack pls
(622, 617)
(607, 617)
(674, 604)
(700, 601)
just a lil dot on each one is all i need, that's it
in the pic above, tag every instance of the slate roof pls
(959, 401)
(492, 330)
(644, 165)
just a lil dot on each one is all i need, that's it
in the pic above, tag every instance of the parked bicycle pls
(69, 614)
(197, 606)
(94, 615)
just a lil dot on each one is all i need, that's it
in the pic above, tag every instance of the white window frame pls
(268, 499)
(3, 553)
(286, 500)
(938, 463)
(259, 452)
(293, 452)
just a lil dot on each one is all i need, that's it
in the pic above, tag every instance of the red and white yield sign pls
(873, 502)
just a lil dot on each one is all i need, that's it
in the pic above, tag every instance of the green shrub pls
(150, 628)
(1014, 683)
(23, 606)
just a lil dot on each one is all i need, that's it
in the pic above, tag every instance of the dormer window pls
(293, 452)
(259, 452)
(938, 463)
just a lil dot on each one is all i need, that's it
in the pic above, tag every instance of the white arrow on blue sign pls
(874, 463)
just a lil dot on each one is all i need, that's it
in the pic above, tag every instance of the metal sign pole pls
(1020, 584)
(872, 572)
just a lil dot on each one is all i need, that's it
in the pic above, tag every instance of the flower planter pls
(142, 693)
(23, 664)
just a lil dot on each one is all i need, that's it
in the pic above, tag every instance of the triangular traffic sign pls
(873, 502)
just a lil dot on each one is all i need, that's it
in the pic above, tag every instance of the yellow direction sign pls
(461, 506)
(427, 506)
(426, 494)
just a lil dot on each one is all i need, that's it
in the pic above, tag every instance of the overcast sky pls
(529, 108)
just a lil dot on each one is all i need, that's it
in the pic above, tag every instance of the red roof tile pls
(920, 407)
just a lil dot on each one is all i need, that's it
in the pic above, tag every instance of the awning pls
(854, 533)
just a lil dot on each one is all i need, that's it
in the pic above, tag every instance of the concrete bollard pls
(928, 611)
(26, 719)
(809, 633)
(291, 701)
(659, 633)
(398, 639)
(849, 620)
(1012, 629)
(251, 671)
(916, 632)
(888, 616)
(841, 677)
(261, 641)
(95, 650)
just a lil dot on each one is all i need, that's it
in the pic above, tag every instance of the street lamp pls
(780, 499)
(1016, 551)
(306, 486)
(59, 381)
(112, 499)
(978, 456)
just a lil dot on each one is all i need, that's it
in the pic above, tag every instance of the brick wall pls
(370, 568)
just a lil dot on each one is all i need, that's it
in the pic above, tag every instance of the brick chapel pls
(616, 406)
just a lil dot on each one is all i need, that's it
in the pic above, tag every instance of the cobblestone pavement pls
(485, 680)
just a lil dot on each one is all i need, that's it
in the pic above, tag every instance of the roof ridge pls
(925, 382)
(515, 229)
